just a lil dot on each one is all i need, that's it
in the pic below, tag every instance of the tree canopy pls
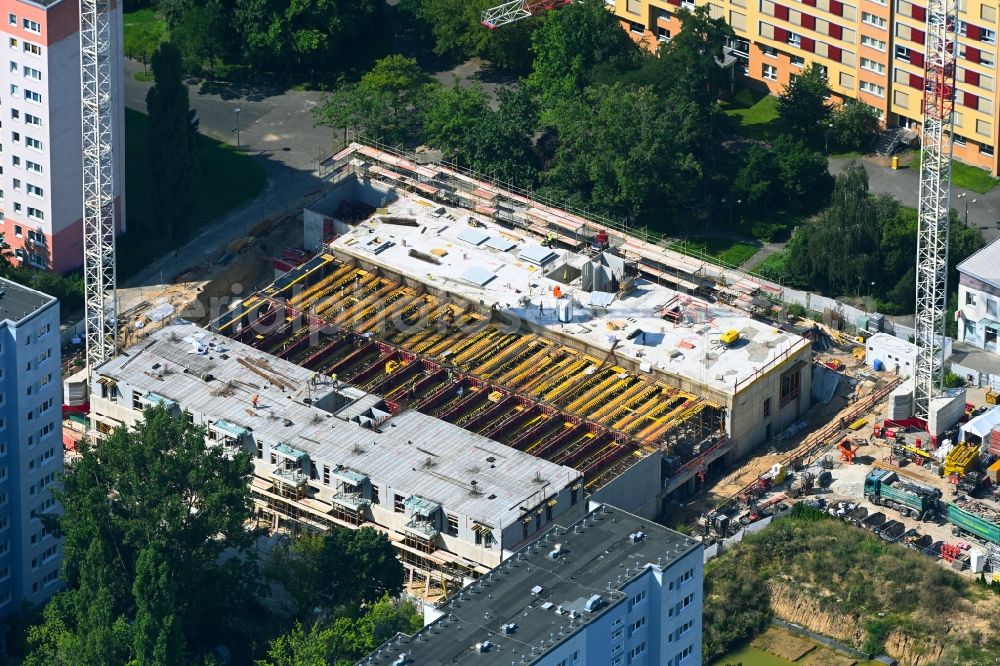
(156, 550)
(802, 105)
(173, 130)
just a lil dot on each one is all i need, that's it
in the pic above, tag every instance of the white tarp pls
(981, 425)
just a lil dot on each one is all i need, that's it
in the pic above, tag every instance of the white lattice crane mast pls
(508, 12)
(935, 202)
(96, 54)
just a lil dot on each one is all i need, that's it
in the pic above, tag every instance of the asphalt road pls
(904, 184)
(276, 128)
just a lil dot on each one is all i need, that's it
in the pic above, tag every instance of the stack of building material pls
(901, 402)
(946, 410)
(993, 442)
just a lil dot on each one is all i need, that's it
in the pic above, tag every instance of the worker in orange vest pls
(254, 400)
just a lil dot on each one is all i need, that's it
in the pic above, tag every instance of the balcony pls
(352, 501)
(290, 477)
(422, 528)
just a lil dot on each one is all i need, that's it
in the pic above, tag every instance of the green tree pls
(569, 43)
(626, 151)
(203, 35)
(173, 143)
(157, 559)
(689, 62)
(461, 122)
(346, 640)
(296, 35)
(802, 106)
(384, 104)
(758, 184)
(853, 125)
(804, 176)
(142, 40)
(302, 567)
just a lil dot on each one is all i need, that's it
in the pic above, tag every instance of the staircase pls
(890, 140)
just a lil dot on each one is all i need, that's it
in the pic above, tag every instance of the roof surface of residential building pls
(18, 302)
(984, 265)
(430, 458)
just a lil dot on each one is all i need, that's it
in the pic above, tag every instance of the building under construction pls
(559, 337)
(327, 455)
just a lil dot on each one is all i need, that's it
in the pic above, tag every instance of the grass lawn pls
(756, 113)
(725, 250)
(231, 179)
(965, 176)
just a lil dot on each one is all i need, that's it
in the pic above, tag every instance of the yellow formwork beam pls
(374, 312)
(600, 383)
(448, 339)
(537, 362)
(462, 343)
(615, 401)
(537, 385)
(520, 346)
(573, 378)
(492, 344)
(369, 297)
(394, 303)
(632, 407)
(604, 391)
(331, 293)
(335, 296)
(319, 287)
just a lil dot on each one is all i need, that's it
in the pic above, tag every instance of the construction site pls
(580, 347)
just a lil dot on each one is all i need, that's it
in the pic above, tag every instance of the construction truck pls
(885, 488)
(966, 522)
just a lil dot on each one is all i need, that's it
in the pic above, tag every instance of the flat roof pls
(412, 452)
(18, 302)
(595, 552)
(984, 265)
(689, 349)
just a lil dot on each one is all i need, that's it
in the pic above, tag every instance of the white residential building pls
(610, 590)
(41, 172)
(327, 455)
(978, 307)
(30, 444)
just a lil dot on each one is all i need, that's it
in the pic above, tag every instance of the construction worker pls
(254, 399)
(557, 291)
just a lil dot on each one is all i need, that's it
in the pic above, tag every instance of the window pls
(797, 61)
(794, 39)
(986, 149)
(35, 213)
(32, 26)
(12, 19)
(32, 73)
(17, 184)
(32, 120)
(635, 626)
(17, 207)
(13, 66)
(873, 43)
(33, 49)
(398, 505)
(872, 66)
(902, 53)
(13, 42)
(15, 137)
(872, 88)
(987, 36)
(871, 19)
(452, 525)
(15, 114)
(770, 72)
(15, 161)
(636, 28)
(14, 89)
(35, 191)
(32, 143)
(32, 96)
(18, 231)
(970, 298)
(769, 51)
(790, 386)
(636, 651)
(34, 167)
(959, 141)
(767, 407)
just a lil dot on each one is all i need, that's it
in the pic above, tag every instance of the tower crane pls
(515, 10)
(935, 202)
(96, 54)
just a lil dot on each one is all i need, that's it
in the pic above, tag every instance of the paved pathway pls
(276, 128)
(904, 184)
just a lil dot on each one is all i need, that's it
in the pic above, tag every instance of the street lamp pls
(237, 128)
(964, 195)
(826, 139)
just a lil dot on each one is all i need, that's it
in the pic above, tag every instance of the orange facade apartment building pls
(872, 50)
